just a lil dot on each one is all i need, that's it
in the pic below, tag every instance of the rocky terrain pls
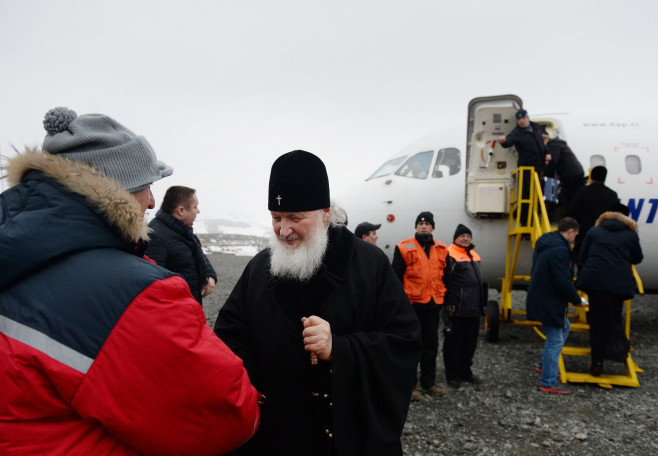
(507, 414)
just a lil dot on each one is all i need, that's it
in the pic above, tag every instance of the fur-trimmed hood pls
(119, 207)
(619, 217)
(57, 208)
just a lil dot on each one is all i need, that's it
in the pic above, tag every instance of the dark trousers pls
(606, 327)
(429, 316)
(568, 187)
(459, 347)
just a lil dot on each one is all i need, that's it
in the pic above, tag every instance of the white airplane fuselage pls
(477, 195)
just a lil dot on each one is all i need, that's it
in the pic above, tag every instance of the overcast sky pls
(222, 88)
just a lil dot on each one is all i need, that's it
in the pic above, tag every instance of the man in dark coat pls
(609, 250)
(173, 244)
(551, 289)
(464, 305)
(529, 143)
(324, 327)
(565, 166)
(590, 202)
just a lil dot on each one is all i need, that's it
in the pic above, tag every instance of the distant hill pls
(232, 226)
(232, 236)
(234, 244)
(226, 225)
(236, 236)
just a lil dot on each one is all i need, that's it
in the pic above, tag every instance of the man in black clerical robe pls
(324, 328)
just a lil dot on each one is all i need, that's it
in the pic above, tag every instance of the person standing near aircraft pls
(323, 326)
(551, 289)
(419, 263)
(566, 166)
(590, 202)
(173, 244)
(367, 232)
(608, 252)
(465, 301)
(527, 138)
(101, 351)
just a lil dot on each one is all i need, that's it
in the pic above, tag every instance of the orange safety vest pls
(459, 253)
(423, 276)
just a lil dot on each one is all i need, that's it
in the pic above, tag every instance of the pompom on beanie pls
(105, 144)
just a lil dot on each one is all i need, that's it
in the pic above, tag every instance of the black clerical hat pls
(298, 182)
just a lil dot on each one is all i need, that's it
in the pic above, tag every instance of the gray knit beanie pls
(106, 145)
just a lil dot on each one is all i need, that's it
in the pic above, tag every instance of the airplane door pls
(489, 166)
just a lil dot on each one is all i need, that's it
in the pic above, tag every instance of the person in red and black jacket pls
(464, 304)
(101, 351)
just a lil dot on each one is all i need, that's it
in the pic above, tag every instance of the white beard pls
(301, 262)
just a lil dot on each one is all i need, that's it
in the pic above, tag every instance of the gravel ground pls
(507, 414)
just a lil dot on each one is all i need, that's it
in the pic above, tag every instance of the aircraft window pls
(633, 164)
(448, 162)
(417, 166)
(388, 167)
(596, 160)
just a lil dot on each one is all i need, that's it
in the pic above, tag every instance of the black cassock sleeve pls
(374, 372)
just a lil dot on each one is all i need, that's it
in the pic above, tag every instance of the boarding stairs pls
(528, 221)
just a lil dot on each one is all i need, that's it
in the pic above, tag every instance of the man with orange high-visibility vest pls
(464, 305)
(419, 263)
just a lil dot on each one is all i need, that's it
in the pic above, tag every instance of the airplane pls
(462, 175)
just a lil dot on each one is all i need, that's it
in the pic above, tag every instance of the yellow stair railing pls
(603, 380)
(528, 220)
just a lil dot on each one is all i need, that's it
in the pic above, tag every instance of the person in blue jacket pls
(551, 289)
(608, 251)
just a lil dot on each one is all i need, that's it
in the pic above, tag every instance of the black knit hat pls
(298, 182)
(425, 217)
(521, 113)
(462, 229)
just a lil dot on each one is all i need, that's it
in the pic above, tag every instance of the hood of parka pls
(56, 207)
(608, 220)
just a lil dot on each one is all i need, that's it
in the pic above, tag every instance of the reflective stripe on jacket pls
(464, 282)
(423, 277)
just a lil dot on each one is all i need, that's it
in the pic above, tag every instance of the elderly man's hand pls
(210, 286)
(502, 139)
(317, 336)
